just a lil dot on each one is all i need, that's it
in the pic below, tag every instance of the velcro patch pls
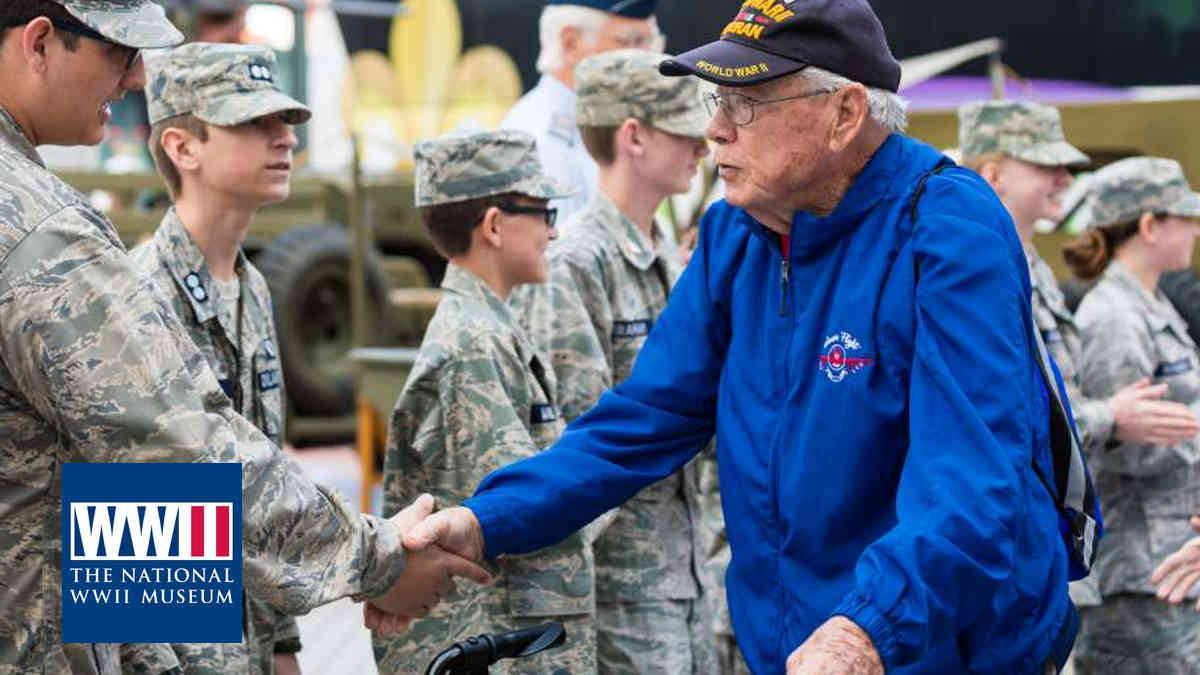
(268, 379)
(628, 329)
(540, 413)
(1174, 368)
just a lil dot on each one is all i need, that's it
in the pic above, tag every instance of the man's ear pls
(181, 147)
(33, 39)
(853, 109)
(571, 40)
(990, 171)
(490, 230)
(630, 138)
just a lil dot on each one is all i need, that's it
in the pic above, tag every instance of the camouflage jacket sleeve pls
(149, 658)
(581, 339)
(1117, 352)
(97, 351)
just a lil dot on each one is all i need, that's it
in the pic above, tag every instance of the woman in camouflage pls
(1143, 220)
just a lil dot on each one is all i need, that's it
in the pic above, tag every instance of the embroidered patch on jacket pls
(837, 361)
(625, 329)
(1052, 336)
(268, 380)
(541, 413)
(1173, 368)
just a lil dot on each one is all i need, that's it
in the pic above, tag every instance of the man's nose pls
(720, 129)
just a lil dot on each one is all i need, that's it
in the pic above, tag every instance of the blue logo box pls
(152, 553)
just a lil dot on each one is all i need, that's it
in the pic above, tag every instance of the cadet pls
(572, 30)
(221, 138)
(479, 396)
(1143, 221)
(646, 134)
(1020, 149)
(96, 367)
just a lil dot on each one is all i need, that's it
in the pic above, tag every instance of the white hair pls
(888, 109)
(557, 18)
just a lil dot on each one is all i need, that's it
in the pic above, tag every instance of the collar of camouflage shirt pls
(12, 134)
(186, 263)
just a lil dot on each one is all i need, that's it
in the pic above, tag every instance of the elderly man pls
(96, 367)
(571, 31)
(844, 328)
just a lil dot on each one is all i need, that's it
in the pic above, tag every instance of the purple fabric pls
(950, 91)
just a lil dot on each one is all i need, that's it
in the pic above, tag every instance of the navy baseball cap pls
(634, 9)
(772, 38)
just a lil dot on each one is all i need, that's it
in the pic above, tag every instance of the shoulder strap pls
(1072, 490)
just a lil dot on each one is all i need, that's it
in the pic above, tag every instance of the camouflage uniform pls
(96, 367)
(480, 397)
(660, 558)
(239, 342)
(1149, 491)
(1031, 132)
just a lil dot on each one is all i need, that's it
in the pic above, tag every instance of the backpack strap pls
(1072, 491)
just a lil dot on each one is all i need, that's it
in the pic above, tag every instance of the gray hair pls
(557, 18)
(888, 109)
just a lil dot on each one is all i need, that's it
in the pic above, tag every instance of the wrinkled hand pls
(455, 529)
(1142, 418)
(1176, 575)
(428, 577)
(838, 647)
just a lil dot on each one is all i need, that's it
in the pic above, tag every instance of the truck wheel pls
(308, 272)
(1182, 288)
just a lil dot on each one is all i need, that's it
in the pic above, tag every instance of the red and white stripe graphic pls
(195, 531)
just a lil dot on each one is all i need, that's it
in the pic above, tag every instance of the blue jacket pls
(876, 408)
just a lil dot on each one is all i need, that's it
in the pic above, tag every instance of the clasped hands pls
(438, 547)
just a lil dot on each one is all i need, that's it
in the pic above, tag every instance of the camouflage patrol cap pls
(1122, 191)
(614, 86)
(1030, 132)
(222, 84)
(134, 23)
(458, 167)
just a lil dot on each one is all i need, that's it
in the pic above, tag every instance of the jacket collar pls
(186, 265)
(12, 135)
(810, 232)
(629, 238)
(461, 282)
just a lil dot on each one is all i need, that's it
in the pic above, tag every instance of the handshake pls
(438, 547)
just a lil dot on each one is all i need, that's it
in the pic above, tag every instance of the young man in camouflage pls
(221, 137)
(96, 367)
(1143, 220)
(480, 396)
(1021, 151)
(657, 591)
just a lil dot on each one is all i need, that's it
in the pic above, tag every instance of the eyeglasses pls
(131, 53)
(740, 108)
(551, 215)
(75, 28)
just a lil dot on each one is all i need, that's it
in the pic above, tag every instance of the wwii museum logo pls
(152, 553)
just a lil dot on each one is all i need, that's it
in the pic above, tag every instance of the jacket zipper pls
(784, 274)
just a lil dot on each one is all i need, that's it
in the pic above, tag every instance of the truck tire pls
(1182, 288)
(308, 272)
